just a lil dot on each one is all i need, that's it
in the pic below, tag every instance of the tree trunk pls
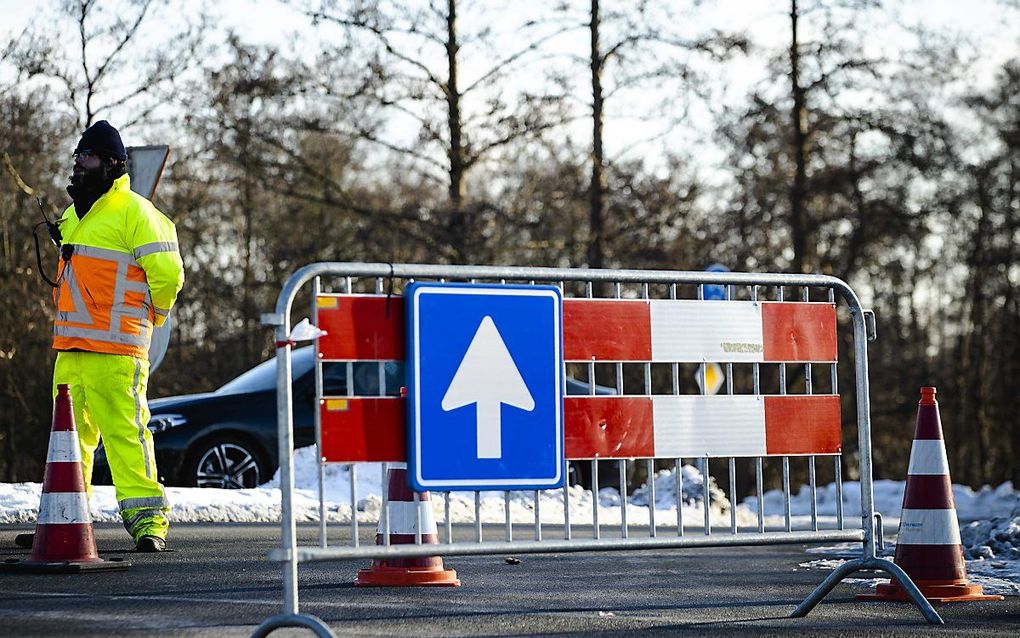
(597, 188)
(798, 221)
(458, 223)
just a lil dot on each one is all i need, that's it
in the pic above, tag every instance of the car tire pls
(226, 461)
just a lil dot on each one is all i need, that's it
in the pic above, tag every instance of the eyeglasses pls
(85, 154)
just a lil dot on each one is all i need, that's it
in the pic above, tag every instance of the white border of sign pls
(484, 290)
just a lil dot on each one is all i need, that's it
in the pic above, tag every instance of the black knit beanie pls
(104, 140)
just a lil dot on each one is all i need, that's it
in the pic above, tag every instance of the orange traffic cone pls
(63, 540)
(404, 515)
(928, 546)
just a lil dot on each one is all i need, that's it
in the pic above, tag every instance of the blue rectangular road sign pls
(484, 386)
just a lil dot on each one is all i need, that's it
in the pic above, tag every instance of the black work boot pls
(150, 545)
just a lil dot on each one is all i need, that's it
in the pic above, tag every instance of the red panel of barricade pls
(361, 327)
(606, 330)
(799, 331)
(608, 427)
(363, 429)
(803, 425)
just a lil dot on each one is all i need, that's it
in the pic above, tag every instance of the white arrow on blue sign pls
(484, 387)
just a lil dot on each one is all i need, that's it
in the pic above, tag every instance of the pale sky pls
(990, 24)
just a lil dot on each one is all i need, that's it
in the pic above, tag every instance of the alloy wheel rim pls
(227, 465)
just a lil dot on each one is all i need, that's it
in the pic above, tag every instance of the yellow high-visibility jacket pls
(123, 275)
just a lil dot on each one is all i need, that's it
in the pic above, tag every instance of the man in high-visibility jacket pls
(120, 274)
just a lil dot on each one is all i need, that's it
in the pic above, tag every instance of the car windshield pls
(263, 376)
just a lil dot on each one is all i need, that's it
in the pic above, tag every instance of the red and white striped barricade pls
(758, 339)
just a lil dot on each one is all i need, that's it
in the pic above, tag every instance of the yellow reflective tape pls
(336, 405)
(327, 302)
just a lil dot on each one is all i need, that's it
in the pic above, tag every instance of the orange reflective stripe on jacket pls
(103, 303)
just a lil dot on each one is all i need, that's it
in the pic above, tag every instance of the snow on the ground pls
(986, 503)
(991, 542)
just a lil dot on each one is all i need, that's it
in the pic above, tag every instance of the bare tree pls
(647, 45)
(123, 59)
(461, 118)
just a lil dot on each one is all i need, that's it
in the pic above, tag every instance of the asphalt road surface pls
(217, 582)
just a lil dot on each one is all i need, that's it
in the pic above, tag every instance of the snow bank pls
(991, 542)
(985, 503)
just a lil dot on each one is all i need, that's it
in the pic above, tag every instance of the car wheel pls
(226, 462)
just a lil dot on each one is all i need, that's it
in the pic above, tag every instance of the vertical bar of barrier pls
(733, 461)
(755, 367)
(508, 532)
(786, 459)
(679, 487)
(622, 465)
(446, 515)
(809, 390)
(478, 517)
(596, 533)
(838, 460)
(760, 488)
(758, 469)
(285, 444)
(733, 495)
(566, 499)
(385, 513)
(706, 495)
(650, 470)
(786, 494)
(812, 481)
(705, 468)
(862, 391)
(589, 290)
(651, 498)
(538, 516)
(674, 369)
(353, 474)
(566, 463)
(317, 403)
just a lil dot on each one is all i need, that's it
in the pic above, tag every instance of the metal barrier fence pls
(613, 321)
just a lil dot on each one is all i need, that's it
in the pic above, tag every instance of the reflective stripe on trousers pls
(108, 395)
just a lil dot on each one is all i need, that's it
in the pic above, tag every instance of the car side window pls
(366, 378)
(334, 379)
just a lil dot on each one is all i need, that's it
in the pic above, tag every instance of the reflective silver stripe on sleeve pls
(160, 311)
(102, 335)
(103, 253)
(143, 501)
(155, 247)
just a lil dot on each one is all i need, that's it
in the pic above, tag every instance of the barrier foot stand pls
(311, 623)
(858, 564)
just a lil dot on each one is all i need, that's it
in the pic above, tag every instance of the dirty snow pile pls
(19, 501)
(971, 505)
